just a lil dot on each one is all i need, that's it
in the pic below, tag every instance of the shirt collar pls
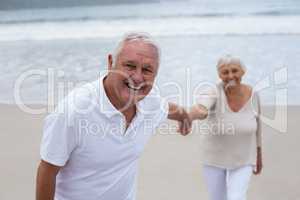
(107, 108)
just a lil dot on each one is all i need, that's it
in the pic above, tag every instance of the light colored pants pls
(227, 184)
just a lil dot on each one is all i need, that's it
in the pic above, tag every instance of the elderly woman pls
(232, 143)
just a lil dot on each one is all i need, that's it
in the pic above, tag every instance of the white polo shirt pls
(86, 135)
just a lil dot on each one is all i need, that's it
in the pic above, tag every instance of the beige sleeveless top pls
(229, 139)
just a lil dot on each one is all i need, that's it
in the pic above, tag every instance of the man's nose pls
(137, 76)
(230, 76)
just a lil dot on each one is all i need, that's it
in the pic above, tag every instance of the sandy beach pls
(170, 166)
(47, 48)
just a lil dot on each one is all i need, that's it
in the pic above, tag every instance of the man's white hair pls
(229, 59)
(136, 36)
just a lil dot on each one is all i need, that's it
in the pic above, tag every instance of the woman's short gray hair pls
(136, 36)
(229, 59)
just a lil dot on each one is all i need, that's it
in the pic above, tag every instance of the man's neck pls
(110, 94)
(129, 114)
(127, 110)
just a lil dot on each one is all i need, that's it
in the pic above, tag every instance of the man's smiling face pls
(134, 71)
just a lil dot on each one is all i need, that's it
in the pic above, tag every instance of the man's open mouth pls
(132, 87)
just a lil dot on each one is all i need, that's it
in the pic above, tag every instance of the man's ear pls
(243, 72)
(219, 74)
(110, 61)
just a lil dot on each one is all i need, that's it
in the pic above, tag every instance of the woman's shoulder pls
(254, 96)
(254, 93)
(250, 90)
(248, 87)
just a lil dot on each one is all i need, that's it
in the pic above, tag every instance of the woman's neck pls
(235, 90)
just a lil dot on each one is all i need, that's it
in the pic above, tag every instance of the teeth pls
(230, 84)
(134, 88)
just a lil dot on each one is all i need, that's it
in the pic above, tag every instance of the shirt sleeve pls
(59, 139)
(258, 120)
(164, 111)
(155, 107)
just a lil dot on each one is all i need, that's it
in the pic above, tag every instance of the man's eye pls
(147, 70)
(130, 66)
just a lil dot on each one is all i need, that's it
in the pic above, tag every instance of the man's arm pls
(45, 182)
(179, 114)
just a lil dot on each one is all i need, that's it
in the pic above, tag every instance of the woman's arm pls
(198, 112)
(259, 161)
(205, 102)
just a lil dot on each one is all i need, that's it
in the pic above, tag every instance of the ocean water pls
(70, 44)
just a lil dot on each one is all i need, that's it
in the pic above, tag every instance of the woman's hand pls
(259, 164)
(198, 112)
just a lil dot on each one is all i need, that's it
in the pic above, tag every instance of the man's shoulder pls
(80, 100)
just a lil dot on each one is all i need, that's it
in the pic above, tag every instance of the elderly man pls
(92, 143)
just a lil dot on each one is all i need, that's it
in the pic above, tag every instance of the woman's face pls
(231, 74)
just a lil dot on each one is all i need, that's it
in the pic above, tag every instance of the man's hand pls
(180, 114)
(185, 126)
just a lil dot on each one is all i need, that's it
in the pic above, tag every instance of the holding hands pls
(180, 114)
(186, 118)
